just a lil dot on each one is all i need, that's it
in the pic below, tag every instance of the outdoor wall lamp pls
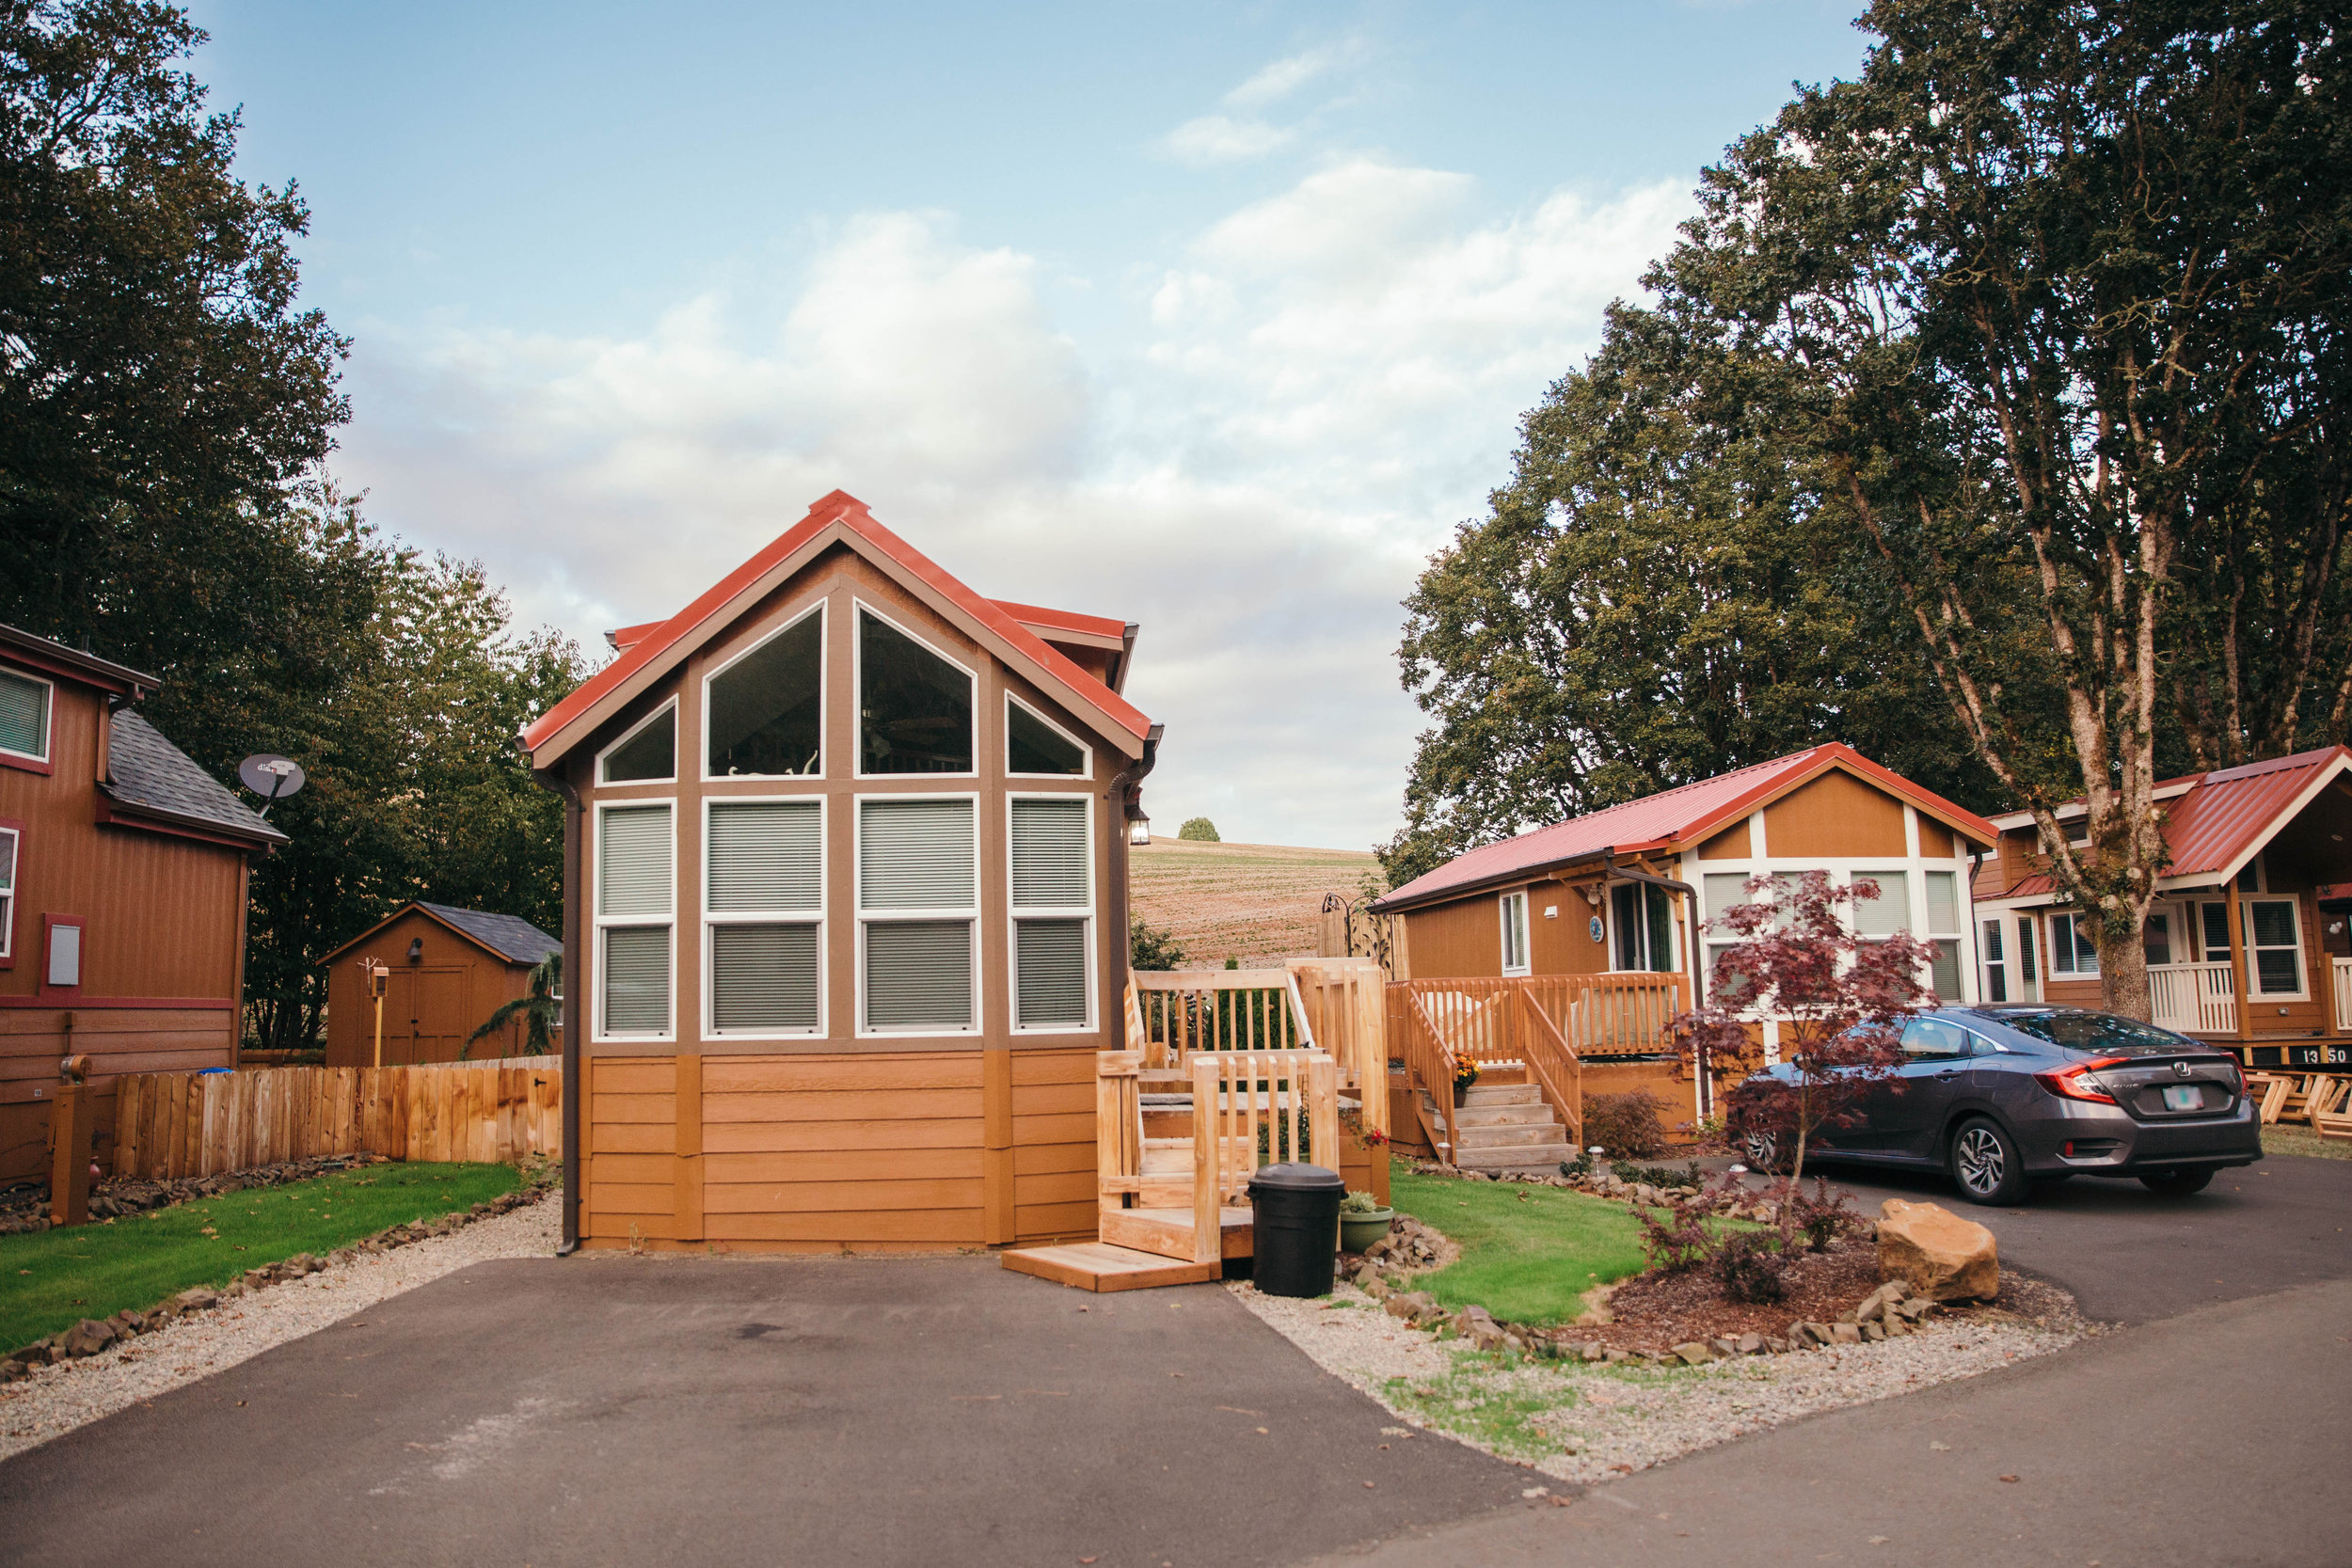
(1139, 829)
(416, 950)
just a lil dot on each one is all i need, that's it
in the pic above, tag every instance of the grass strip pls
(52, 1279)
(2280, 1139)
(1529, 1254)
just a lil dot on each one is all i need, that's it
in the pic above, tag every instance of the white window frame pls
(1512, 910)
(7, 896)
(1086, 752)
(678, 738)
(1996, 965)
(1609, 932)
(2071, 970)
(765, 917)
(1014, 913)
(2254, 993)
(824, 656)
(895, 917)
(857, 709)
(48, 720)
(1957, 937)
(600, 922)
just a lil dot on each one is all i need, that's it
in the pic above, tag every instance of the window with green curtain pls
(23, 716)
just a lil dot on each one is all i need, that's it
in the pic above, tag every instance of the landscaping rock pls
(195, 1300)
(1411, 1304)
(1873, 1331)
(1750, 1344)
(1844, 1334)
(89, 1336)
(1938, 1254)
(1693, 1354)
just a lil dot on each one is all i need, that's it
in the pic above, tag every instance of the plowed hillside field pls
(1246, 901)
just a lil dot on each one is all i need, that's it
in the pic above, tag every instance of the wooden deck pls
(1100, 1266)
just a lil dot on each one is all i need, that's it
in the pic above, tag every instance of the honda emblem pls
(2180, 1070)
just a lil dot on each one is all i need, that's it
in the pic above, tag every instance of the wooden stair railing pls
(1429, 1066)
(1554, 1067)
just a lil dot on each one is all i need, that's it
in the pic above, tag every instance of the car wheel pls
(1764, 1153)
(1986, 1164)
(2176, 1183)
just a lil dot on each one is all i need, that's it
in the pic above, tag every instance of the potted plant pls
(1465, 1074)
(1363, 1219)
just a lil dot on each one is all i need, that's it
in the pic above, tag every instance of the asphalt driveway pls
(943, 1411)
(643, 1411)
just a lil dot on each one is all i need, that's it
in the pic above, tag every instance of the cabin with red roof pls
(846, 907)
(2246, 945)
(1599, 924)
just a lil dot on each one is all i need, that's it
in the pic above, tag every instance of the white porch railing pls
(2195, 999)
(2340, 971)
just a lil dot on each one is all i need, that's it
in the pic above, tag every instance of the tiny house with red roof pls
(2246, 945)
(1602, 920)
(846, 907)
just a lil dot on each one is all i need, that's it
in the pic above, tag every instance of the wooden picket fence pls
(169, 1125)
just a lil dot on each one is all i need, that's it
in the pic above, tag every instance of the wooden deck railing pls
(1554, 1068)
(2340, 972)
(1184, 1010)
(1345, 1004)
(2198, 999)
(1597, 1015)
(1429, 1066)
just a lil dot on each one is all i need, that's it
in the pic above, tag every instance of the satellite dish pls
(271, 776)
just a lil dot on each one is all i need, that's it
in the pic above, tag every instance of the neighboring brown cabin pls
(450, 970)
(122, 891)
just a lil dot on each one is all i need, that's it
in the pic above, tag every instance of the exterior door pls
(424, 1016)
(2028, 961)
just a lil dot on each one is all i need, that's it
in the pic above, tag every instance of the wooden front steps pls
(1098, 1266)
(1506, 1127)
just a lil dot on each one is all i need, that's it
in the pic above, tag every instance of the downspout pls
(574, 1003)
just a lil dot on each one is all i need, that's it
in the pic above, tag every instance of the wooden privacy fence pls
(169, 1125)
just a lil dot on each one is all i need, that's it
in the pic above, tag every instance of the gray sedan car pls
(2003, 1097)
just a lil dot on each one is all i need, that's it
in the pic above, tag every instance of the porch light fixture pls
(416, 950)
(1139, 829)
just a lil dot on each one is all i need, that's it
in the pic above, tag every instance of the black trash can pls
(1295, 1223)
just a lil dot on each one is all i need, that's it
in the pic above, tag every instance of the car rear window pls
(2100, 1032)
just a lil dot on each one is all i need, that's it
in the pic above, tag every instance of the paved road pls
(943, 1411)
(715, 1412)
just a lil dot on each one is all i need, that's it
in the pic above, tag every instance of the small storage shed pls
(451, 969)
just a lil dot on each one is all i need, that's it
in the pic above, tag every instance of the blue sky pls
(1218, 318)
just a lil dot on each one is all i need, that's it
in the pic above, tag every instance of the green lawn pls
(2281, 1139)
(50, 1279)
(1529, 1254)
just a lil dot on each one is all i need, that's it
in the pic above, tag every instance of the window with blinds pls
(1052, 905)
(918, 899)
(636, 854)
(8, 841)
(764, 901)
(23, 716)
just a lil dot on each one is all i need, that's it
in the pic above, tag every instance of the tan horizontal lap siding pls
(631, 1110)
(1054, 1176)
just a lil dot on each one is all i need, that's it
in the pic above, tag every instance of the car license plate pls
(2183, 1096)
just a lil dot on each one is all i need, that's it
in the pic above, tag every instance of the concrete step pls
(1551, 1137)
(1502, 1115)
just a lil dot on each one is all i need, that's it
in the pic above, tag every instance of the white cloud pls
(1304, 404)
(1215, 139)
(1285, 76)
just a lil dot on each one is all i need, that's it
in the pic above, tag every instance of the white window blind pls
(1049, 855)
(1514, 913)
(1051, 957)
(23, 716)
(918, 975)
(763, 977)
(634, 860)
(8, 891)
(916, 855)
(636, 856)
(637, 979)
(1890, 911)
(766, 857)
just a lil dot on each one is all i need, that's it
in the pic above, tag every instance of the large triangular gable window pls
(766, 717)
(915, 704)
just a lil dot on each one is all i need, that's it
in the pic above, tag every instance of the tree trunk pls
(2123, 975)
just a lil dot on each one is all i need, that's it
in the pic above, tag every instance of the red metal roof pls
(2229, 814)
(701, 620)
(1037, 616)
(1672, 818)
(625, 637)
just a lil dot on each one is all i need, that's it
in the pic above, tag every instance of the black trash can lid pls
(1297, 1179)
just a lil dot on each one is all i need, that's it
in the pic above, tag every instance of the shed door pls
(424, 1016)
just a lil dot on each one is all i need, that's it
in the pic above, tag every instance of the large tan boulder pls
(1943, 1256)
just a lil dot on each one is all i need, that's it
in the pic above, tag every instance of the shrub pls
(1679, 1242)
(1625, 1124)
(1199, 829)
(1820, 1215)
(1753, 1268)
(1149, 947)
(1360, 1203)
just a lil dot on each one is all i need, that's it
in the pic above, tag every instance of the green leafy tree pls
(2057, 292)
(1199, 829)
(539, 1008)
(1152, 947)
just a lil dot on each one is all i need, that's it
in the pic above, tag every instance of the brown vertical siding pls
(462, 984)
(1835, 816)
(1462, 939)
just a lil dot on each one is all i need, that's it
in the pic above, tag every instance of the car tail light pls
(2076, 1083)
(2238, 1076)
